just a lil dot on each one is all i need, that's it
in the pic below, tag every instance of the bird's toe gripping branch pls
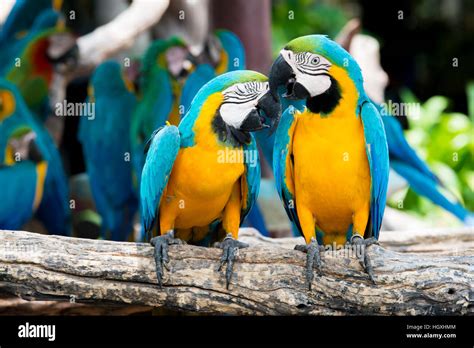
(360, 245)
(230, 247)
(313, 258)
(161, 244)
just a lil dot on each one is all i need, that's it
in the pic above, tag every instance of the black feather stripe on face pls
(326, 102)
(228, 134)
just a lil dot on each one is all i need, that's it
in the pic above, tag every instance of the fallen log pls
(268, 278)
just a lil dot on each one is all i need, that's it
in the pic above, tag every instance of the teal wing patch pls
(252, 176)
(377, 154)
(283, 164)
(163, 148)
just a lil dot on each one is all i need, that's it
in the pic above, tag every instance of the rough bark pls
(268, 276)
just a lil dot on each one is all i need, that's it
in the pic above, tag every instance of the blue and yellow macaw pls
(106, 146)
(330, 160)
(32, 182)
(201, 178)
(225, 52)
(405, 162)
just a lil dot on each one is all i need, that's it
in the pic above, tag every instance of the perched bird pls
(212, 141)
(331, 159)
(31, 171)
(405, 162)
(107, 153)
(225, 52)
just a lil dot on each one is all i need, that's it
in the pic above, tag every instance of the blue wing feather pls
(377, 154)
(282, 161)
(252, 177)
(163, 148)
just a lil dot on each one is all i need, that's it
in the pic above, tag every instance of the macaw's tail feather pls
(430, 189)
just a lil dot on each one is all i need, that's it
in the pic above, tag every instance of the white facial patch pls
(311, 70)
(239, 100)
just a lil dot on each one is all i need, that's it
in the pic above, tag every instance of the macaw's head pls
(314, 68)
(171, 55)
(245, 104)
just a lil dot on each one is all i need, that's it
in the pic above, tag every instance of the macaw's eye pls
(7, 104)
(315, 61)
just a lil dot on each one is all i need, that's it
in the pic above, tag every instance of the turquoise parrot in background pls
(330, 160)
(107, 151)
(158, 97)
(178, 199)
(31, 176)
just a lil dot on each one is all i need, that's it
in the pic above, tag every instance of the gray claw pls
(359, 242)
(313, 256)
(161, 244)
(230, 246)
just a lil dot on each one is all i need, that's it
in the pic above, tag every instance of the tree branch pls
(268, 277)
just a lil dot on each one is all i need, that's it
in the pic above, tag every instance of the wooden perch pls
(268, 276)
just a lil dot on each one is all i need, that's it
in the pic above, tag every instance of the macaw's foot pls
(161, 244)
(313, 257)
(359, 244)
(230, 247)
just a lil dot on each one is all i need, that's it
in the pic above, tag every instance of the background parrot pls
(33, 72)
(30, 164)
(106, 147)
(331, 159)
(181, 160)
(158, 96)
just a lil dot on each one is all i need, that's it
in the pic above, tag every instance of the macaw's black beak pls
(265, 115)
(282, 75)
